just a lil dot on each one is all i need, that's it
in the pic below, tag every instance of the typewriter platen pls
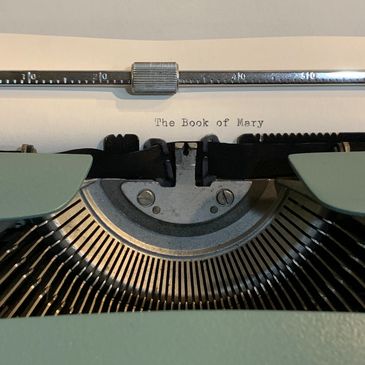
(273, 221)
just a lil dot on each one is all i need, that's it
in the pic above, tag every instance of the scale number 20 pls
(29, 76)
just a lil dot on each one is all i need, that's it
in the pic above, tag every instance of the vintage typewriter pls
(270, 222)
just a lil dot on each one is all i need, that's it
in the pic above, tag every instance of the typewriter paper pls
(61, 119)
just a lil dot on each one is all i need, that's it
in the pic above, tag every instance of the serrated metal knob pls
(154, 78)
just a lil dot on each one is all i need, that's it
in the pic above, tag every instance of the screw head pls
(225, 197)
(146, 198)
(213, 209)
(156, 210)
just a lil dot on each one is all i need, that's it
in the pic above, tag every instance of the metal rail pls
(155, 78)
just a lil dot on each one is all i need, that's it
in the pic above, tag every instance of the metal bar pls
(64, 78)
(264, 78)
(164, 78)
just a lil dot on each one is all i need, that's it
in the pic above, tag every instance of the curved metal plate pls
(34, 184)
(336, 179)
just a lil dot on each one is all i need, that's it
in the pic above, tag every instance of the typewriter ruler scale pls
(165, 78)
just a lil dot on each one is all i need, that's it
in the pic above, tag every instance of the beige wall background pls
(183, 19)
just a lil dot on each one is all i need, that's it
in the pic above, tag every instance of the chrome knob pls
(154, 78)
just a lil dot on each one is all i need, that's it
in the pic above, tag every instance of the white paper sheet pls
(61, 119)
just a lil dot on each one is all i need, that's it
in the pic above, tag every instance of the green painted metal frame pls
(209, 337)
(337, 180)
(33, 184)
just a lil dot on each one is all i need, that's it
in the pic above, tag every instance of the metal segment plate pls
(186, 203)
(171, 204)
